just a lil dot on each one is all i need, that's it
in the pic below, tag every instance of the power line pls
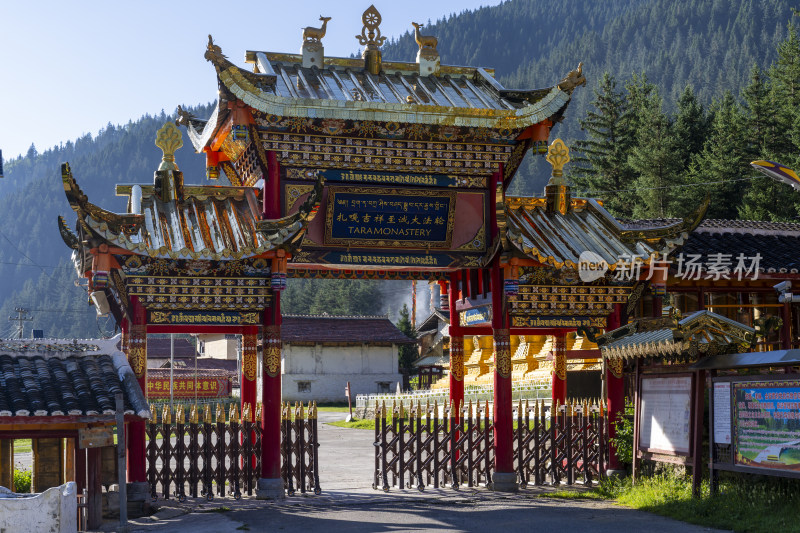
(22, 253)
(588, 193)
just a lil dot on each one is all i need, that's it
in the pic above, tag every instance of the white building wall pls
(320, 372)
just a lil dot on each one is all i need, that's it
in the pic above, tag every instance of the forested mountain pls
(708, 44)
(681, 94)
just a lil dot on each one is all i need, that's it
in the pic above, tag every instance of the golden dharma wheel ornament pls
(169, 139)
(558, 156)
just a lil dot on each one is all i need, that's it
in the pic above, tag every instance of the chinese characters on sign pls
(391, 217)
(716, 266)
(767, 424)
(158, 387)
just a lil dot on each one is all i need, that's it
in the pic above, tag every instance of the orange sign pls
(185, 387)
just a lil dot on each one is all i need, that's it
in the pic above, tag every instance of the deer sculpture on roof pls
(315, 35)
(424, 41)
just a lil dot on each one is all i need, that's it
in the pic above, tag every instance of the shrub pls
(623, 441)
(22, 481)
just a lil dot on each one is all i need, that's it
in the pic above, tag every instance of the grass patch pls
(743, 504)
(222, 509)
(333, 409)
(22, 446)
(573, 495)
(368, 423)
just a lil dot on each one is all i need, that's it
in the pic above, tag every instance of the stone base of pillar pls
(616, 473)
(505, 482)
(270, 489)
(138, 494)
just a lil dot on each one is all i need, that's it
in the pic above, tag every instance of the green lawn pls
(22, 446)
(369, 423)
(743, 505)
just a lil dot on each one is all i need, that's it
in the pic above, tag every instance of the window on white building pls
(384, 386)
(303, 386)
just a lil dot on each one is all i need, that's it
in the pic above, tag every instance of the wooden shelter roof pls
(701, 333)
(58, 378)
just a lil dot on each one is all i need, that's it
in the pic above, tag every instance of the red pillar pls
(559, 376)
(615, 390)
(249, 368)
(137, 357)
(270, 486)
(505, 479)
(456, 347)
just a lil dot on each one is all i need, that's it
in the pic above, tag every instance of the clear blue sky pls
(70, 68)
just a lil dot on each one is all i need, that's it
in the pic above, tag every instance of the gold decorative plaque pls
(502, 352)
(249, 356)
(457, 358)
(560, 357)
(272, 350)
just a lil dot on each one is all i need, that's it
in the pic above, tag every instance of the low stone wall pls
(54, 510)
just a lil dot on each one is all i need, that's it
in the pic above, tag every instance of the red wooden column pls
(559, 376)
(249, 367)
(270, 485)
(456, 347)
(615, 391)
(504, 479)
(137, 357)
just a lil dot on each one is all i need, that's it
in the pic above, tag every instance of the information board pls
(665, 414)
(722, 412)
(767, 424)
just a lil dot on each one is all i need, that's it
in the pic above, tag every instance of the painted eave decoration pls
(699, 334)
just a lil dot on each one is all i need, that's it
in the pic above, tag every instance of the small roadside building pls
(61, 394)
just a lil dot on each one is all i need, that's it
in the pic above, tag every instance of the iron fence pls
(221, 455)
(415, 447)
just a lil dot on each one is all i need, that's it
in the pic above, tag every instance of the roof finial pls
(558, 194)
(428, 56)
(371, 39)
(312, 50)
(169, 139)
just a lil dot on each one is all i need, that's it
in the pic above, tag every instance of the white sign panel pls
(665, 419)
(722, 412)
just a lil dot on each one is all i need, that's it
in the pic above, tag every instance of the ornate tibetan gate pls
(360, 168)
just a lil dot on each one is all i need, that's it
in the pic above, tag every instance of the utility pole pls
(20, 319)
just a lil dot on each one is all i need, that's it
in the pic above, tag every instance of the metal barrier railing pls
(416, 447)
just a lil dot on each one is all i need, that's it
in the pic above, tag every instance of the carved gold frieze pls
(457, 358)
(294, 193)
(249, 356)
(615, 366)
(502, 353)
(560, 357)
(137, 350)
(272, 350)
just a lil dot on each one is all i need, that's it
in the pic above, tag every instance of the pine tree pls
(722, 166)
(657, 161)
(691, 126)
(602, 162)
(785, 88)
(408, 352)
(760, 112)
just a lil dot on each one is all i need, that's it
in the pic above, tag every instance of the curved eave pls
(242, 85)
(559, 240)
(201, 137)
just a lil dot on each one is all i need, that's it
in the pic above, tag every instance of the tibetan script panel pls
(390, 218)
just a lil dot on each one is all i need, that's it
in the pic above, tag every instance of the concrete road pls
(349, 504)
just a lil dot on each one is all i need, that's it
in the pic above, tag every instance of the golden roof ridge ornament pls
(574, 78)
(169, 139)
(371, 39)
(557, 193)
(312, 50)
(427, 56)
